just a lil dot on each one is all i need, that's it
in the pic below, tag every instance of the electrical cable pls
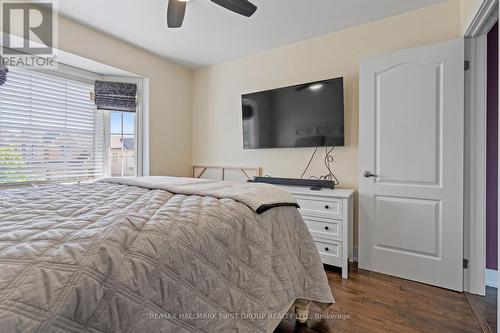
(309, 164)
(327, 161)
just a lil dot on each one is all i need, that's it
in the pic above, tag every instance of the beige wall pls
(195, 119)
(217, 133)
(170, 92)
(469, 9)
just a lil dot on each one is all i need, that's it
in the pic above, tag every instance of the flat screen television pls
(304, 115)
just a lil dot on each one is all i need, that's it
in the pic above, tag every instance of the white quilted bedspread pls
(108, 257)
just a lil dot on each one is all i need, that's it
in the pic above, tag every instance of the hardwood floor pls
(373, 302)
(485, 309)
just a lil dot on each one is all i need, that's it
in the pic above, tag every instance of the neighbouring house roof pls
(116, 143)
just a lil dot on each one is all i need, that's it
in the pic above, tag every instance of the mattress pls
(113, 257)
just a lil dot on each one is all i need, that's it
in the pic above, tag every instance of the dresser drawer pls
(315, 206)
(324, 228)
(330, 252)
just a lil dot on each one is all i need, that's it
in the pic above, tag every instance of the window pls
(122, 156)
(49, 129)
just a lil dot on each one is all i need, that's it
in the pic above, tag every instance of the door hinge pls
(466, 65)
(466, 263)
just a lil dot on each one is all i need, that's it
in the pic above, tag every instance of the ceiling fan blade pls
(175, 13)
(242, 7)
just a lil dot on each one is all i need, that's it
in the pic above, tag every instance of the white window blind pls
(49, 129)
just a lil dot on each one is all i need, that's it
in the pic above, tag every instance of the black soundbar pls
(312, 183)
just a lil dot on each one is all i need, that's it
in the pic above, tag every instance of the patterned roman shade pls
(115, 96)
(3, 74)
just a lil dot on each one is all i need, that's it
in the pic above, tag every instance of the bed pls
(154, 254)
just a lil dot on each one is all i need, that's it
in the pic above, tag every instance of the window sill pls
(5, 186)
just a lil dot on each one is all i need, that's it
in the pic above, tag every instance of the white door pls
(411, 164)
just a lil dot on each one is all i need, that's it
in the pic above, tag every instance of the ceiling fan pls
(177, 8)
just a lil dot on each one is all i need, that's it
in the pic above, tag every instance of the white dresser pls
(328, 215)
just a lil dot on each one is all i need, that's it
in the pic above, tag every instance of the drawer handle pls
(327, 207)
(326, 228)
(327, 249)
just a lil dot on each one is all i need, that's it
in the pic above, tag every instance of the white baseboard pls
(491, 277)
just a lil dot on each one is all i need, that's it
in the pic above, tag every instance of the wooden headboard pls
(231, 173)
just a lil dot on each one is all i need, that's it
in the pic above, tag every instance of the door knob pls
(368, 174)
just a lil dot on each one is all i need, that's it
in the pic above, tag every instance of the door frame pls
(475, 146)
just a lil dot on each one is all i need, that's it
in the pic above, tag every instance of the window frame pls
(88, 77)
(138, 126)
(107, 141)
